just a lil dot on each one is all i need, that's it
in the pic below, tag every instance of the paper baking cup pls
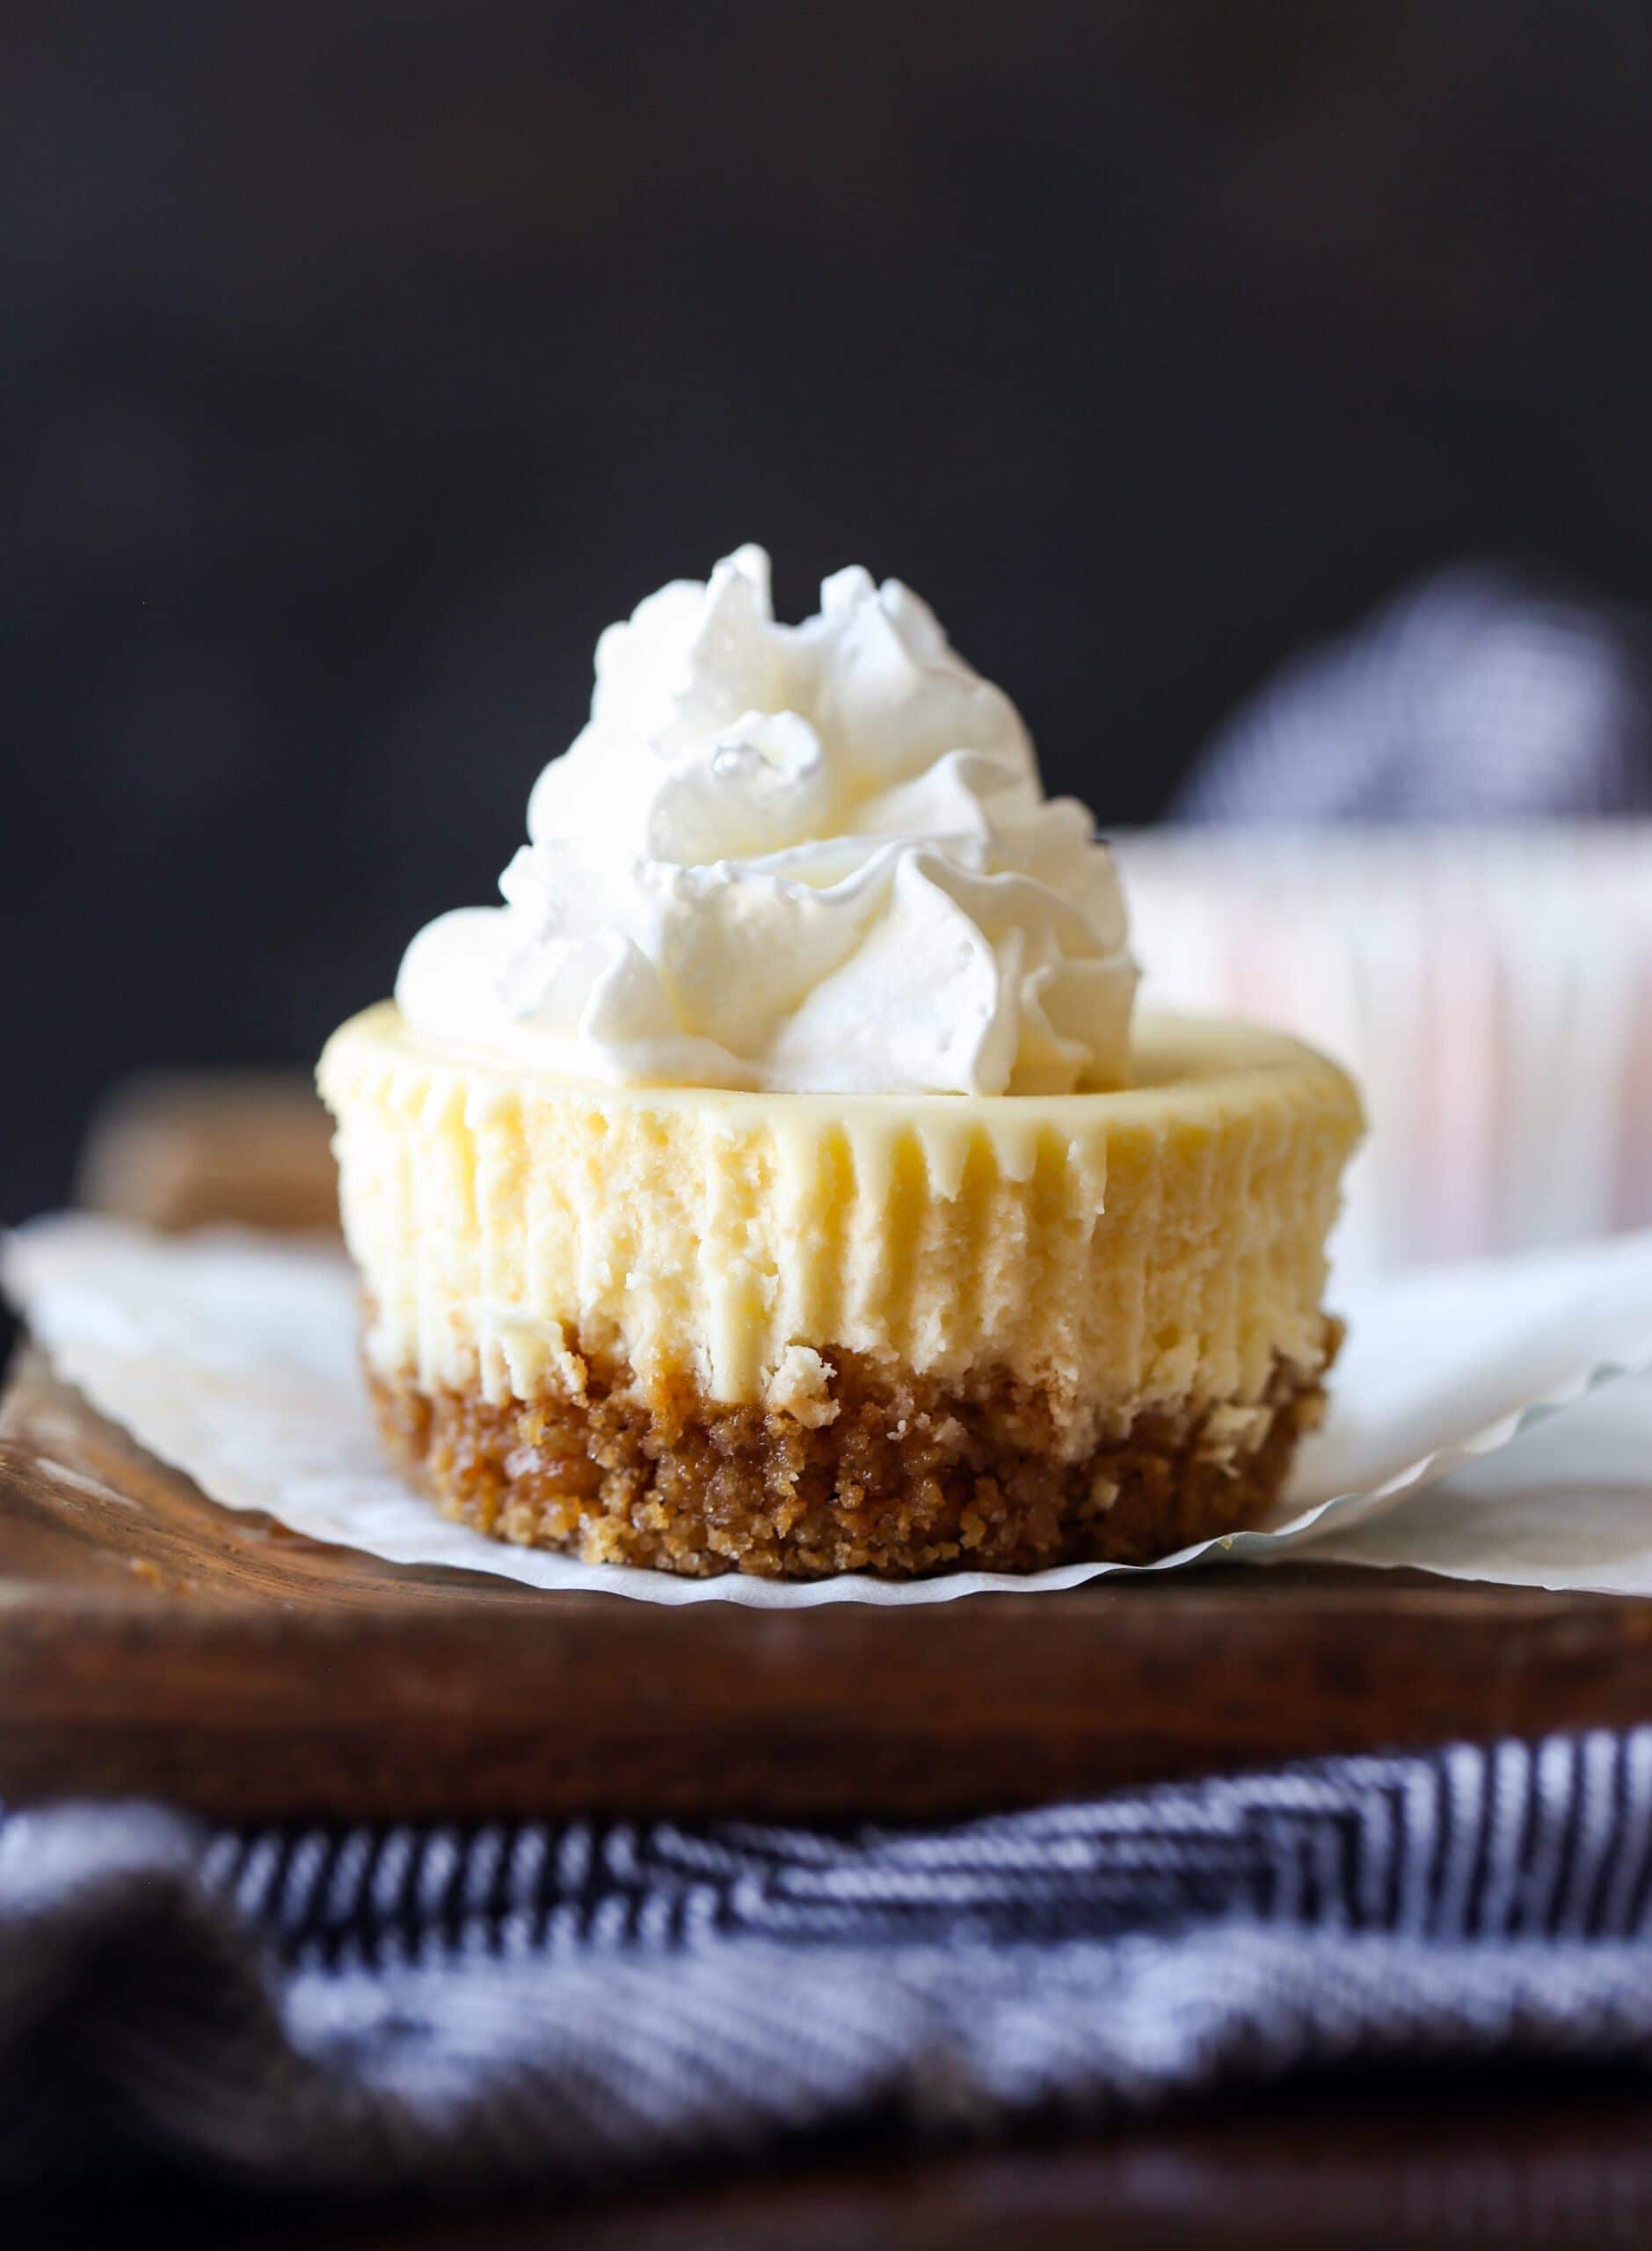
(234, 1358)
(1492, 991)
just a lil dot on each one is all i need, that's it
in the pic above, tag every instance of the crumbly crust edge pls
(885, 1471)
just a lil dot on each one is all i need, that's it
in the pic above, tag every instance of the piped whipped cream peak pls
(812, 858)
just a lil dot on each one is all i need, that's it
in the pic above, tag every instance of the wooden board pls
(203, 1149)
(151, 1642)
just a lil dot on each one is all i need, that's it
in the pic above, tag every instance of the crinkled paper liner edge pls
(73, 1363)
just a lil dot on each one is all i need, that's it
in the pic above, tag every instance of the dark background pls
(361, 360)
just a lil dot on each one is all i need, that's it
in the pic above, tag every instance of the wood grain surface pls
(150, 1641)
(179, 1149)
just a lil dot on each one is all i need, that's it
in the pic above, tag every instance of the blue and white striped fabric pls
(1470, 697)
(369, 2007)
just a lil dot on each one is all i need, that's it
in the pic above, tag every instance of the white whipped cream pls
(812, 857)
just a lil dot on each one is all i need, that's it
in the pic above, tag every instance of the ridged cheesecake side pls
(1143, 1247)
(701, 1329)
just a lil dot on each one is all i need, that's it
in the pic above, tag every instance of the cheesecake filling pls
(1160, 1248)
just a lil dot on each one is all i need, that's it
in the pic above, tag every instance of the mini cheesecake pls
(704, 1329)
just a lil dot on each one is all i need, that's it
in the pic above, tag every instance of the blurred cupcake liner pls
(1492, 988)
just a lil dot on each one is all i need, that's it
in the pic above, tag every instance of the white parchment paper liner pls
(234, 1357)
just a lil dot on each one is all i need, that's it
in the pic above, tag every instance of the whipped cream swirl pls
(809, 857)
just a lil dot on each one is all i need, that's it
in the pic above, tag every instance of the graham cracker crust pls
(909, 1477)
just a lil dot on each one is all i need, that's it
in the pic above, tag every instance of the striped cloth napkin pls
(1473, 695)
(370, 2008)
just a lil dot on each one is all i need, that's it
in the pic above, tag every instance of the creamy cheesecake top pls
(1152, 1246)
(810, 858)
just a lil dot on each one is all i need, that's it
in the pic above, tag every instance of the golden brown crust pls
(906, 1477)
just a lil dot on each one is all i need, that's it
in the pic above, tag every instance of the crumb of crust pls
(903, 1477)
(801, 1386)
